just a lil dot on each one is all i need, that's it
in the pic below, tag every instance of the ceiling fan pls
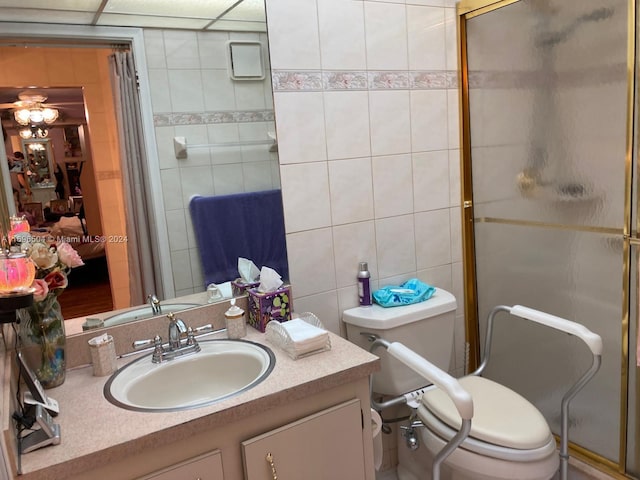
(29, 98)
(30, 108)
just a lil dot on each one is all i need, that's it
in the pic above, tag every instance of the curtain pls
(141, 244)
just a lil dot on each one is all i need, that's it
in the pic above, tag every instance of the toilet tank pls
(425, 327)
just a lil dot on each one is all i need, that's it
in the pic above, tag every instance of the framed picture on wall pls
(76, 203)
(60, 206)
(34, 209)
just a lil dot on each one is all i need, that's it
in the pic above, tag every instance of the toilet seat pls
(505, 425)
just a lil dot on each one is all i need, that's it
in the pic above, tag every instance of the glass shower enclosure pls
(547, 108)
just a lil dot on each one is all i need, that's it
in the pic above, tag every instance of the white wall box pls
(245, 60)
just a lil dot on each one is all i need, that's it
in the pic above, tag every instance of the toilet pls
(498, 446)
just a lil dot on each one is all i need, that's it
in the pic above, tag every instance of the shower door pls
(546, 184)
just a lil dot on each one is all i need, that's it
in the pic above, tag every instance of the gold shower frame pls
(467, 9)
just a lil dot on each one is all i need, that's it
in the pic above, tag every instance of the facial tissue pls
(270, 280)
(248, 270)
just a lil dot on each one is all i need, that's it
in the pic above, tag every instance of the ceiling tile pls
(173, 14)
(251, 10)
(53, 16)
(230, 25)
(171, 8)
(78, 5)
(108, 19)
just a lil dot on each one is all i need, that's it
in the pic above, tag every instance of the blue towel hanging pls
(411, 291)
(249, 225)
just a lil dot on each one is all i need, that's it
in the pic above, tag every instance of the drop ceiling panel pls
(248, 10)
(79, 5)
(171, 8)
(180, 14)
(53, 16)
(109, 19)
(230, 25)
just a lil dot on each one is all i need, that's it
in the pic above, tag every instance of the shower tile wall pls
(194, 97)
(367, 118)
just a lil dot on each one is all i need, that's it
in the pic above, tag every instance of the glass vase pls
(43, 341)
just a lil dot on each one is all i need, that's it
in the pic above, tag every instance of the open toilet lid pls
(501, 416)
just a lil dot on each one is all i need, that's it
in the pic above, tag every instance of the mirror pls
(38, 162)
(220, 111)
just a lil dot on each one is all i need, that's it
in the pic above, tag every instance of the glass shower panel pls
(547, 111)
(547, 89)
(571, 274)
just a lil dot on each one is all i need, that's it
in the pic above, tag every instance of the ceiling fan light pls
(36, 115)
(22, 116)
(26, 133)
(50, 115)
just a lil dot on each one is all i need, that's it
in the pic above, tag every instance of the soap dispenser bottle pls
(235, 322)
(364, 286)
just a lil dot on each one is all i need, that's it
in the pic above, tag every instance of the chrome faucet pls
(156, 309)
(178, 345)
(176, 329)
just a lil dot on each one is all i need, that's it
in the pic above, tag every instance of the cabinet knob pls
(269, 459)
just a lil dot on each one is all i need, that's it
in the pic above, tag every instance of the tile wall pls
(194, 97)
(367, 118)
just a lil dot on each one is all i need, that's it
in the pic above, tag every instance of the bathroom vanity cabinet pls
(325, 445)
(311, 414)
(204, 467)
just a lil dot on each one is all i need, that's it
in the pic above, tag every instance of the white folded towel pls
(304, 336)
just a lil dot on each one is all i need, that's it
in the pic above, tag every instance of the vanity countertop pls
(94, 432)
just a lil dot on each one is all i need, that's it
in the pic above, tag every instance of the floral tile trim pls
(326, 80)
(436, 80)
(345, 80)
(388, 80)
(292, 81)
(205, 118)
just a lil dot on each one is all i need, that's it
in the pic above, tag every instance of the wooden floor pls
(89, 291)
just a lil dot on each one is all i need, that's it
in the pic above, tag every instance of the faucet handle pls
(191, 333)
(203, 329)
(139, 344)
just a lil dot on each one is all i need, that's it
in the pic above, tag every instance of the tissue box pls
(239, 287)
(264, 307)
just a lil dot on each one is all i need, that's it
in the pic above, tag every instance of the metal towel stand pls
(461, 398)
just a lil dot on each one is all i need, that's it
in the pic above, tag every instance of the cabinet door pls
(204, 467)
(324, 446)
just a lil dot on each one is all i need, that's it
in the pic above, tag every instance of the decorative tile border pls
(318, 81)
(293, 81)
(205, 118)
(324, 80)
(344, 80)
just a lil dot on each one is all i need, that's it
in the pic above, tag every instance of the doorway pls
(89, 162)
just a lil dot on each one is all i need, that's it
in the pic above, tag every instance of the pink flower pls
(68, 255)
(41, 289)
(56, 279)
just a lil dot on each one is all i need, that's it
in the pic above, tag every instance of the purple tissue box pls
(264, 307)
(239, 287)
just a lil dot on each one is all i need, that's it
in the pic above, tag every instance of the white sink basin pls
(144, 311)
(221, 369)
